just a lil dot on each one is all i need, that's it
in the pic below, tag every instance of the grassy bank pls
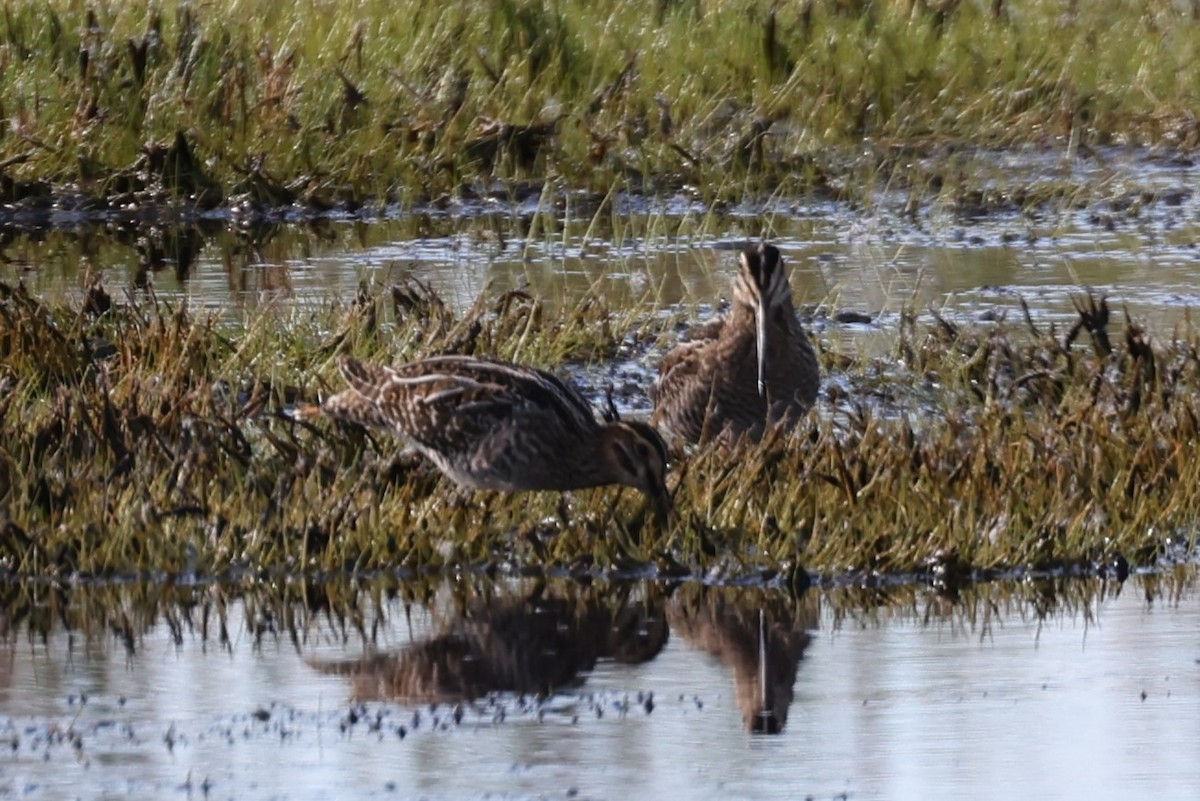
(329, 103)
(142, 437)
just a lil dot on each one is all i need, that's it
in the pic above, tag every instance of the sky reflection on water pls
(879, 262)
(1099, 698)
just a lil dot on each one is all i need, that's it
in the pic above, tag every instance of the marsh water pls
(1134, 240)
(1052, 688)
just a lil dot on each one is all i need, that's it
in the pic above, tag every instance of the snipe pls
(498, 426)
(748, 370)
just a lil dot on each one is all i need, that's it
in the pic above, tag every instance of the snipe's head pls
(762, 284)
(637, 456)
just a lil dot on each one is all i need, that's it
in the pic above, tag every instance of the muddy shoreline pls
(971, 185)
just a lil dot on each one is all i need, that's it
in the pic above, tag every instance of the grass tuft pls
(140, 438)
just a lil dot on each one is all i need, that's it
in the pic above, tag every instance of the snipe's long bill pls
(498, 426)
(746, 371)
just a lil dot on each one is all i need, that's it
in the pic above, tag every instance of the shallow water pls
(1056, 690)
(1135, 240)
(1052, 690)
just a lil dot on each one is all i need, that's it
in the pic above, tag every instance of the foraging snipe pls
(498, 426)
(748, 370)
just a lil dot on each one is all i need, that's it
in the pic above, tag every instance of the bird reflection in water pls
(537, 643)
(761, 635)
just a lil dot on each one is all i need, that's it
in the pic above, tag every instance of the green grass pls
(148, 439)
(328, 102)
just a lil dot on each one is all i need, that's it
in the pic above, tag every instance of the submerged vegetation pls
(136, 434)
(320, 105)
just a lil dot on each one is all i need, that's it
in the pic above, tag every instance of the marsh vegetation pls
(141, 436)
(325, 105)
(203, 206)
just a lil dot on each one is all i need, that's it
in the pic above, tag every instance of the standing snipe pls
(492, 425)
(752, 368)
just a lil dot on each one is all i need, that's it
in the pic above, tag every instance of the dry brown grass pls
(149, 440)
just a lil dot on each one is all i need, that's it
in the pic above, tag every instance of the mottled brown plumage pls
(491, 425)
(745, 371)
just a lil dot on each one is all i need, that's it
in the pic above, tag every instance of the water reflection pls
(536, 642)
(897, 692)
(545, 641)
(534, 639)
(760, 636)
(842, 260)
